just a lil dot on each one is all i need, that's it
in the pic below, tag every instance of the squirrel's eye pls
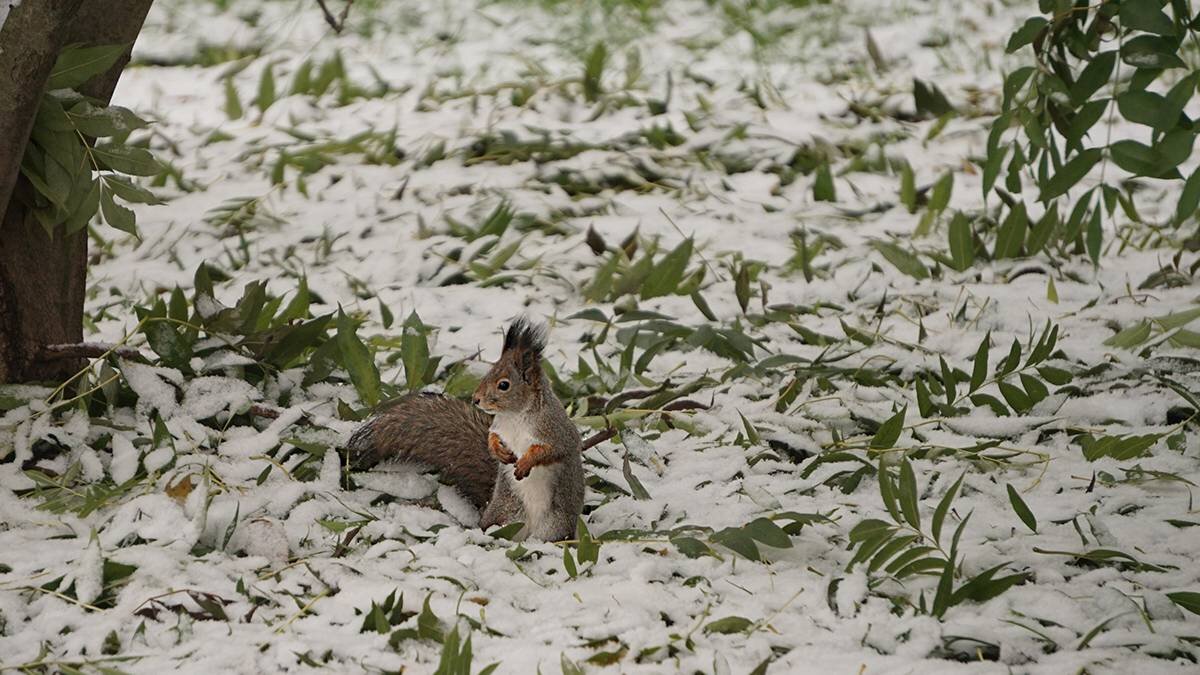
(502, 385)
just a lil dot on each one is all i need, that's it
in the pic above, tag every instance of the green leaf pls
(1149, 109)
(569, 563)
(767, 532)
(1093, 76)
(1130, 337)
(1095, 236)
(980, 366)
(128, 191)
(635, 486)
(1147, 16)
(1070, 174)
(702, 305)
(887, 493)
(429, 627)
(664, 278)
(691, 547)
(739, 541)
(129, 160)
(908, 495)
(929, 99)
(741, 287)
(1175, 147)
(266, 88)
(903, 260)
(924, 402)
(1151, 52)
(76, 65)
(1011, 236)
(943, 508)
(908, 188)
(233, 104)
(823, 188)
(939, 196)
(508, 531)
(117, 216)
(1189, 199)
(1026, 33)
(104, 121)
(729, 624)
(1021, 508)
(1015, 397)
(984, 587)
(296, 339)
(870, 528)
(414, 352)
(991, 168)
(1189, 600)
(1055, 376)
(888, 550)
(1043, 231)
(593, 71)
(356, 358)
(1034, 388)
(1136, 158)
(1143, 160)
(1083, 122)
(889, 432)
(949, 381)
(86, 209)
(1177, 319)
(297, 307)
(1118, 447)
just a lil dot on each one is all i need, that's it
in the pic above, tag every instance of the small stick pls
(598, 438)
(88, 350)
(340, 22)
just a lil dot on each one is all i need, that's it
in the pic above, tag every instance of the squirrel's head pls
(515, 381)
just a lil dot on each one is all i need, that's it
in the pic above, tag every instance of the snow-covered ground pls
(195, 540)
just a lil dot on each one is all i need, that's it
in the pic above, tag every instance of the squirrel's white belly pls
(515, 433)
(536, 489)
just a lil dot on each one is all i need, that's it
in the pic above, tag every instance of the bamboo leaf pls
(76, 65)
(1021, 508)
(889, 432)
(357, 360)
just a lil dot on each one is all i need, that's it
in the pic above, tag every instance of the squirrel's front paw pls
(499, 450)
(523, 467)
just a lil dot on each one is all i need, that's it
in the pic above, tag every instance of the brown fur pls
(440, 432)
(456, 438)
(519, 371)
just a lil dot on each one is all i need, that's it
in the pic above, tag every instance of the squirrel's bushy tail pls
(440, 432)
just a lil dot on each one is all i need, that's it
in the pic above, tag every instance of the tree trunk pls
(42, 279)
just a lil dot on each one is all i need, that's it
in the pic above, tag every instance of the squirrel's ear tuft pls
(525, 337)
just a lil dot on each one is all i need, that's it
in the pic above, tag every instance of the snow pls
(124, 462)
(255, 514)
(6, 7)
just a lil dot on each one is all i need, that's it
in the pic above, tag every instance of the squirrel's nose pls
(476, 400)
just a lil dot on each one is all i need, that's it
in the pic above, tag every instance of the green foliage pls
(1023, 378)
(1092, 63)
(904, 548)
(745, 539)
(79, 157)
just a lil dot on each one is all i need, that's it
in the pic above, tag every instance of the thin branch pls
(88, 350)
(598, 438)
(338, 23)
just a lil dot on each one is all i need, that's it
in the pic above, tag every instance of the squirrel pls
(514, 454)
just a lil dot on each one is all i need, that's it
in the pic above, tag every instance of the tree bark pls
(43, 278)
